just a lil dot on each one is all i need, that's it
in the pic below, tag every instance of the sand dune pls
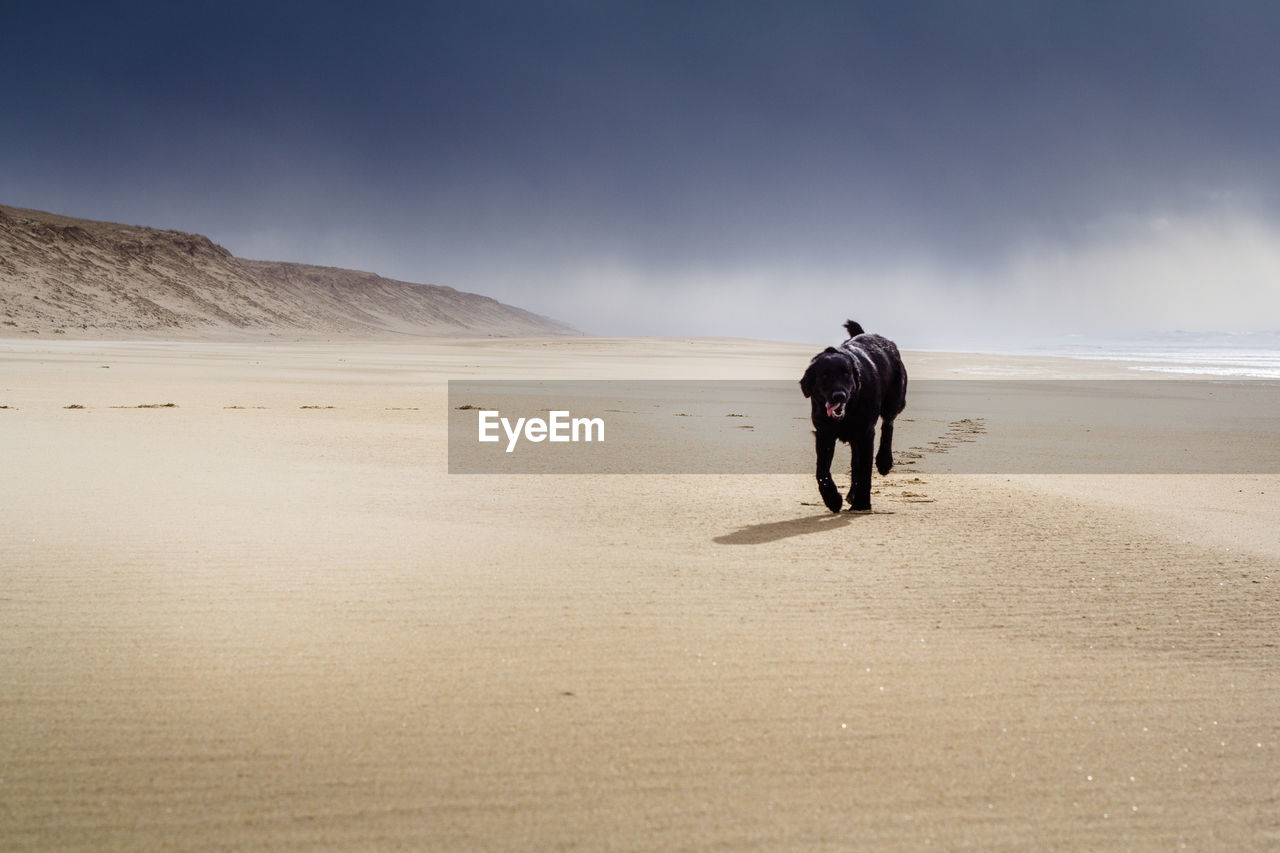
(267, 618)
(84, 278)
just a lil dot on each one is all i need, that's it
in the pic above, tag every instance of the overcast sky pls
(946, 173)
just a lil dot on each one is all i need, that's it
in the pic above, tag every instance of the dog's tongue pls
(832, 409)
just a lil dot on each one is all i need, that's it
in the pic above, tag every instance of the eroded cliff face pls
(71, 276)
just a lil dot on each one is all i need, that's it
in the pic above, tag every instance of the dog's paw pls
(859, 506)
(884, 464)
(830, 495)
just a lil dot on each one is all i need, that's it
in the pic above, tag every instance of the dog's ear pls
(806, 381)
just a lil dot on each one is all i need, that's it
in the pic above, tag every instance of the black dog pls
(851, 387)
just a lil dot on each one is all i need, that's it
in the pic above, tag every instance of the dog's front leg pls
(825, 444)
(884, 459)
(860, 491)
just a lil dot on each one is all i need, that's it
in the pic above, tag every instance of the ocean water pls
(1252, 355)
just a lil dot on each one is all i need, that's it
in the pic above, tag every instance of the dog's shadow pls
(772, 531)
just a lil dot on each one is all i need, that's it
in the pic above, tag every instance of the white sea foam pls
(1251, 356)
(1233, 363)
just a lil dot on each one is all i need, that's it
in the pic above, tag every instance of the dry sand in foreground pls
(240, 623)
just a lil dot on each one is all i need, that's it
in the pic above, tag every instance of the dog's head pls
(830, 380)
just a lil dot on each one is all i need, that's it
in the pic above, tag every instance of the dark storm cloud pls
(507, 147)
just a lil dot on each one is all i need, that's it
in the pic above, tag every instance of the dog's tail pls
(852, 328)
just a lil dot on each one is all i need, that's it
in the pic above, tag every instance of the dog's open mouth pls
(835, 410)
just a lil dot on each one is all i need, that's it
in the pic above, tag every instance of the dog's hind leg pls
(860, 491)
(825, 444)
(884, 459)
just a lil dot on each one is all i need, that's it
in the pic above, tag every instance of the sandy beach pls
(266, 617)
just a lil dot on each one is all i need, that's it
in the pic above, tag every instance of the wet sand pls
(245, 623)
